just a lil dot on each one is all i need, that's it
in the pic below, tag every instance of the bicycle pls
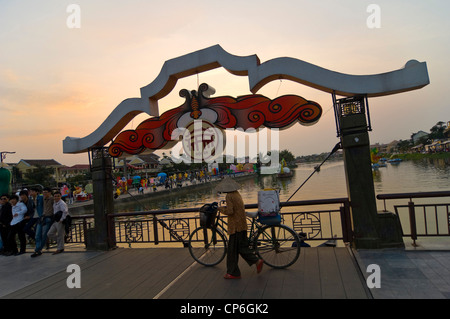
(276, 244)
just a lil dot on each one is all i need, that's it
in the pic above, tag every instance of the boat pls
(395, 161)
(284, 175)
(284, 172)
(317, 168)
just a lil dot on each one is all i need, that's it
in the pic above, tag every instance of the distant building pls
(392, 147)
(382, 148)
(447, 130)
(418, 148)
(417, 136)
(145, 163)
(78, 169)
(27, 165)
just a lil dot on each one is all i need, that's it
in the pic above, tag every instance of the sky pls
(57, 81)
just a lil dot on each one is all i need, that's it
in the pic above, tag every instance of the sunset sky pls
(57, 81)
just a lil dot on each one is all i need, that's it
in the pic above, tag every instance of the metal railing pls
(80, 227)
(429, 219)
(322, 219)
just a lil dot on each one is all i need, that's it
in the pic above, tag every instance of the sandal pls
(259, 265)
(228, 276)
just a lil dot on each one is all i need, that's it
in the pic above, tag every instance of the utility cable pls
(317, 168)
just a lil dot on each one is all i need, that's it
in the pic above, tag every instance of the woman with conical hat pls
(237, 230)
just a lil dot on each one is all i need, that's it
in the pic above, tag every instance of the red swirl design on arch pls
(253, 111)
(249, 111)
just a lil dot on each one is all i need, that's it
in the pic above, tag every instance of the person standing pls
(57, 230)
(29, 216)
(17, 225)
(237, 230)
(38, 200)
(5, 221)
(48, 214)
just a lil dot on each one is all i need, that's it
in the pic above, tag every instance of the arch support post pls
(102, 236)
(371, 229)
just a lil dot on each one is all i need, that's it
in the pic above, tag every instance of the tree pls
(403, 145)
(81, 179)
(437, 131)
(40, 175)
(287, 155)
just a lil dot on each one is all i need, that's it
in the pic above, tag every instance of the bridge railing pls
(320, 220)
(425, 219)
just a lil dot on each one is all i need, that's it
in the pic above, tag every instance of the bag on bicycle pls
(268, 202)
(208, 213)
(269, 207)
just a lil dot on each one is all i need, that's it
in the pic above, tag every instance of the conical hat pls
(227, 185)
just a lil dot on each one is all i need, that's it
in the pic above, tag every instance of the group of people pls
(40, 216)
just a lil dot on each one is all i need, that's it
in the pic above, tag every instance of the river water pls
(407, 176)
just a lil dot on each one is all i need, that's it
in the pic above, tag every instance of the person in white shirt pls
(57, 230)
(17, 224)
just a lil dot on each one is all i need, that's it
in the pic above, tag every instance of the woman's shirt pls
(235, 209)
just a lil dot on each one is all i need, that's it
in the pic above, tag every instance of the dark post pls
(101, 237)
(412, 222)
(369, 230)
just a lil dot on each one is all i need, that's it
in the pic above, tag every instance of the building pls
(438, 146)
(145, 163)
(417, 136)
(418, 148)
(447, 130)
(27, 165)
(75, 170)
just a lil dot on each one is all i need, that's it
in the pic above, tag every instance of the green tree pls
(404, 145)
(287, 155)
(437, 131)
(40, 175)
(81, 179)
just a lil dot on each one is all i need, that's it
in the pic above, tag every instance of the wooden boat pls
(285, 175)
(285, 172)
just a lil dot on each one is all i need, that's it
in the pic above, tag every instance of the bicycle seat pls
(251, 214)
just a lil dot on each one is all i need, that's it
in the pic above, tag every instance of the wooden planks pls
(319, 273)
(171, 273)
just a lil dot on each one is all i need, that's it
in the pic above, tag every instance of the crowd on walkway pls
(165, 182)
(41, 217)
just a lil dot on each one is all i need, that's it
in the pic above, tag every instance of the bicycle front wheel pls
(207, 246)
(277, 245)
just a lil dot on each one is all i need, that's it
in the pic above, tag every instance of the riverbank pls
(87, 207)
(419, 156)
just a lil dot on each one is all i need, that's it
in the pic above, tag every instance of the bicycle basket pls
(208, 213)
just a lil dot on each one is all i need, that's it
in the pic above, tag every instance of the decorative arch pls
(413, 76)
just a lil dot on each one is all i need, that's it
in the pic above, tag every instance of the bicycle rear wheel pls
(207, 246)
(277, 245)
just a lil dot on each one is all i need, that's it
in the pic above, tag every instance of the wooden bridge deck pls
(167, 273)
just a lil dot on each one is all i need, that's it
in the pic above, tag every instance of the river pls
(329, 182)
